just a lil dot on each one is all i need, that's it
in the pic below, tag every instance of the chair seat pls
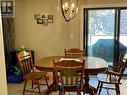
(35, 75)
(105, 78)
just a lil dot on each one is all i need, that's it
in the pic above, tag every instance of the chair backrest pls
(121, 67)
(25, 61)
(69, 72)
(74, 53)
(120, 59)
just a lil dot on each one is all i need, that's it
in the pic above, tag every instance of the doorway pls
(105, 32)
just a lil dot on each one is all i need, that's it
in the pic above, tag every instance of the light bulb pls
(66, 5)
(63, 7)
(72, 5)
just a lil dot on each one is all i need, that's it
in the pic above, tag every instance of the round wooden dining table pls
(93, 65)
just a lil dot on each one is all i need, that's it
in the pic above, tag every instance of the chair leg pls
(24, 87)
(84, 93)
(98, 85)
(32, 84)
(46, 82)
(101, 84)
(117, 89)
(60, 92)
(78, 93)
(38, 84)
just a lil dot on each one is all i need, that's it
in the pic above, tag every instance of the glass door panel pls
(123, 32)
(101, 23)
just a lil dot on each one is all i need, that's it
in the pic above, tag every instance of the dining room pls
(51, 37)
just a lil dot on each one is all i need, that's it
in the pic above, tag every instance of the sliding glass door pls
(123, 31)
(105, 33)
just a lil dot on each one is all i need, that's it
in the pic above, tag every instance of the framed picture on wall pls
(37, 16)
(7, 7)
(39, 21)
(45, 22)
(50, 18)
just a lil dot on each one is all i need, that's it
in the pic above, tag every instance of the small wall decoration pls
(7, 8)
(39, 21)
(43, 19)
(50, 18)
(45, 22)
(37, 16)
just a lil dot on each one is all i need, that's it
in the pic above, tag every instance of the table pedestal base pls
(52, 88)
(88, 89)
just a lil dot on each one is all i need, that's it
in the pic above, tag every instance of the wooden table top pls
(92, 64)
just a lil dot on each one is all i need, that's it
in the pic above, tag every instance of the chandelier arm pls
(75, 11)
(63, 12)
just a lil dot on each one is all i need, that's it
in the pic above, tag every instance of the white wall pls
(3, 84)
(45, 40)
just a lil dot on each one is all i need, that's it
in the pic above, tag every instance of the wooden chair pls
(118, 64)
(29, 72)
(68, 74)
(112, 77)
(74, 53)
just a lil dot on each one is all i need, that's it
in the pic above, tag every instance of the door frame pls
(83, 40)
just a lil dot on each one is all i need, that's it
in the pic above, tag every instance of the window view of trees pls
(101, 21)
(123, 22)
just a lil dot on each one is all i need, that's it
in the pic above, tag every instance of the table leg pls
(53, 87)
(87, 88)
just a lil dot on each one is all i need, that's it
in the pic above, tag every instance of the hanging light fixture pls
(68, 9)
